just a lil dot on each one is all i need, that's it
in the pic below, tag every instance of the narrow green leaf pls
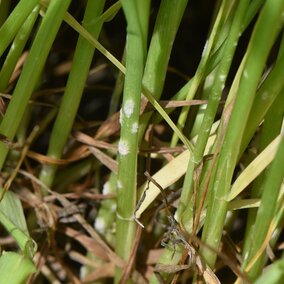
(14, 22)
(109, 14)
(274, 274)
(13, 219)
(15, 268)
(30, 75)
(254, 168)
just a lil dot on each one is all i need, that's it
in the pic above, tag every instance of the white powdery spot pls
(134, 127)
(128, 108)
(100, 225)
(106, 188)
(123, 148)
(246, 74)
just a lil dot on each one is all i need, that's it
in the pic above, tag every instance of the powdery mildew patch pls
(123, 148)
(134, 127)
(106, 188)
(100, 225)
(128, 108)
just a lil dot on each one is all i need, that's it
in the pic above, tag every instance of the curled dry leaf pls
(165, 268)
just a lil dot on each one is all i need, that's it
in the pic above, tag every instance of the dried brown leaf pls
(104, 271)
(168, 268)
(86, 241)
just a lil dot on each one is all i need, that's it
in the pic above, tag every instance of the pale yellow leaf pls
(254, 168)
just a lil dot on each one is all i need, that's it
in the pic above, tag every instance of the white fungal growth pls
(123, 148)
(246, 74)
(106, 188)
(128, 108)
(134, 127)
(100, 225)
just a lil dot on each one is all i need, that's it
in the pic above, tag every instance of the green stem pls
(75, 25)
(213, 103)
(30, 75)
(266, 211)
(201, 70)
(14, 22)
(266, 95)
(137, 14)
(17, 48)
(74, 89)
(213, 60)
(166, 26)
(263, 37)
(270, 129)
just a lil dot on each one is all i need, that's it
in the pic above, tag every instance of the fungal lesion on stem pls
(123, 147)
